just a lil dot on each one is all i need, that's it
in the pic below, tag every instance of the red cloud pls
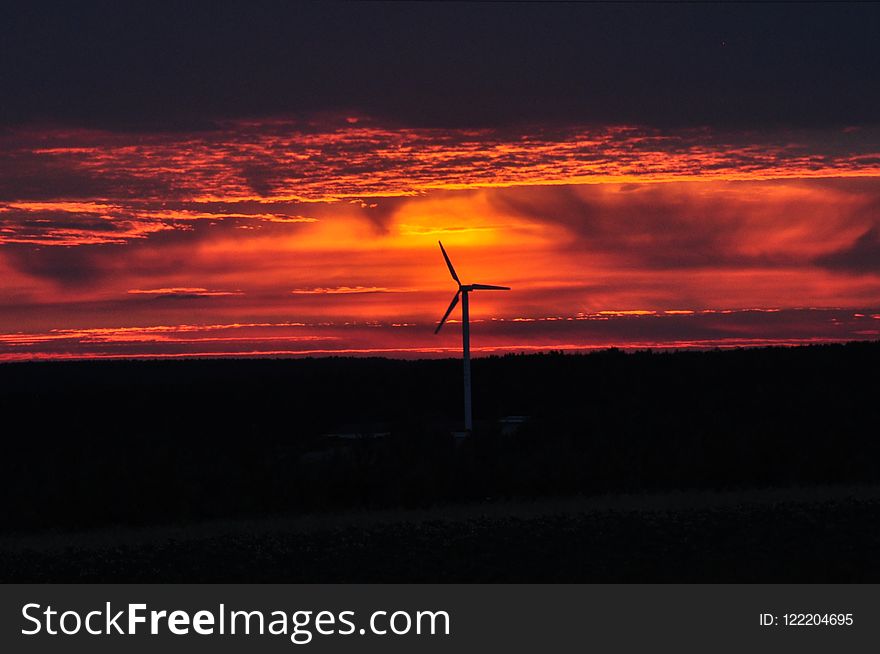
(333, 226)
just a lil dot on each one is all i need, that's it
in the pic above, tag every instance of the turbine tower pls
(463, 290)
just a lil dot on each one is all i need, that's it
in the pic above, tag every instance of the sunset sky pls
(273, 180)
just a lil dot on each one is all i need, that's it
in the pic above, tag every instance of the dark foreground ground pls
(178, 470)
(799, 535)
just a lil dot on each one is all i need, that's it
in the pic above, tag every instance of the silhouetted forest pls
(89, 443)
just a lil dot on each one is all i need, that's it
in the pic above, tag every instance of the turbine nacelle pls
(462, 288)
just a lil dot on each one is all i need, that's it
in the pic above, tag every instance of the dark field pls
(829, 535)
(152, 448)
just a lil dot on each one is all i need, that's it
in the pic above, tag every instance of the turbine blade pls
(489, 287)
(448, 311)
(449, 264)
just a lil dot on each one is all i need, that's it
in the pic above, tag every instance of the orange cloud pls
(69, 187)
(181, 291)
(329, 235)
(345, 290)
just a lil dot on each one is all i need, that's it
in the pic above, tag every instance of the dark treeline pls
(88, 443)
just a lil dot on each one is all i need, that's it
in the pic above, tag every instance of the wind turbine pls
(463, 290)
